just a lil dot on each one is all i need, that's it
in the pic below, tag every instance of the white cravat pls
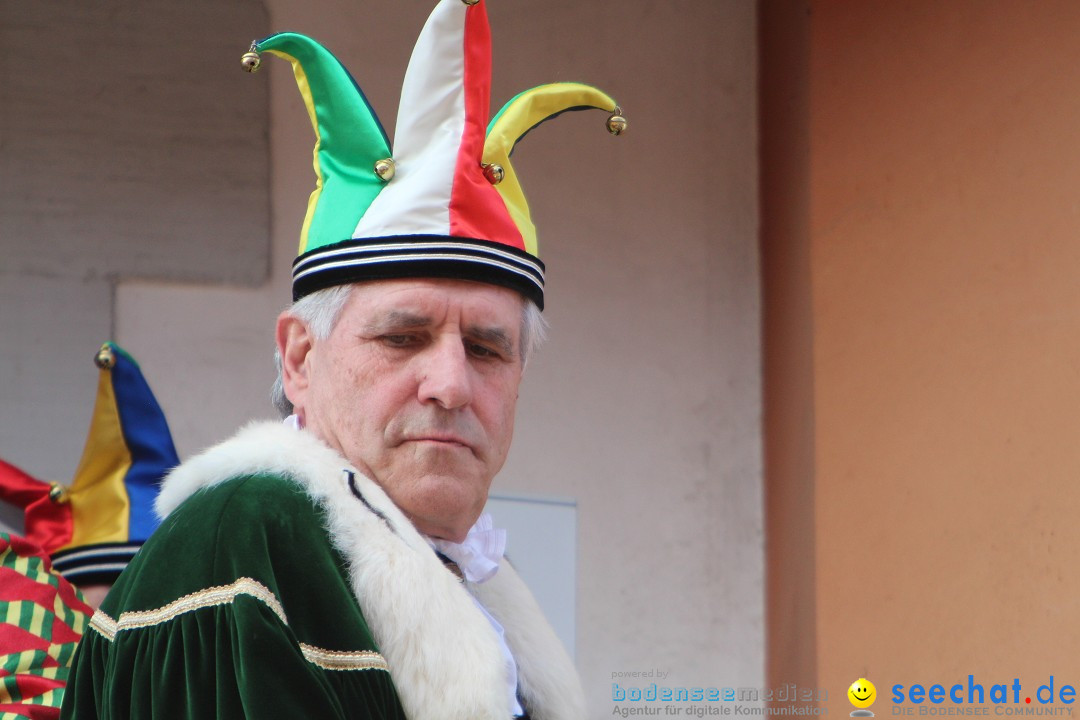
(479, 555)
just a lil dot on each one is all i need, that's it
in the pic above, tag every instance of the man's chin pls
(443, 504)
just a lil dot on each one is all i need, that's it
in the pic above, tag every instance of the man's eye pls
(399, 340)
(481, 351)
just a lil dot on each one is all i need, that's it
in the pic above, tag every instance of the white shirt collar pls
(479, 554)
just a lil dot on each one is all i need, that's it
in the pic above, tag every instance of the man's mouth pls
(447, 440)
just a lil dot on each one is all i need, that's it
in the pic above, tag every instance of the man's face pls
(417, 386)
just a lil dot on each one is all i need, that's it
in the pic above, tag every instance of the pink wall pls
(941, 258)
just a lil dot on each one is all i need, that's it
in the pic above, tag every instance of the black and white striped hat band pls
(94, 563)
(419, 256)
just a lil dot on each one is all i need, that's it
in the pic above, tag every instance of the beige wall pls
(940, 257)
(645, 406)
(121, 142)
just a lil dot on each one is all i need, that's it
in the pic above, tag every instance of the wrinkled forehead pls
(436, 301)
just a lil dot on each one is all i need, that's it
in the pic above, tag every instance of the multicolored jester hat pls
(93, 528)
(446, 202)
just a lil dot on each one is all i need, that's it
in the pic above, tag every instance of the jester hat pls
(94, 527)
(446, 201)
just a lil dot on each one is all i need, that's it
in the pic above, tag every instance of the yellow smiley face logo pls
(862, 693)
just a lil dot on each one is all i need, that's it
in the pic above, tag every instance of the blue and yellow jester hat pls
(93, 527)
(446, 201)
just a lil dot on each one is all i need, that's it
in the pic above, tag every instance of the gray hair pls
(320, 312)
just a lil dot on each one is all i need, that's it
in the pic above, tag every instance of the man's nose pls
(445, 375)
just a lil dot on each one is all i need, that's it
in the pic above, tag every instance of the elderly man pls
(335, 565)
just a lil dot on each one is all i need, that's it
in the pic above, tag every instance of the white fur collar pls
(442, 652)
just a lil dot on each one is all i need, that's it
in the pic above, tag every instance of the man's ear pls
(294, 343)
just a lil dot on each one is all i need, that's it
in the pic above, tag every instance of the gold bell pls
(616, 124)
(494, 173)
(251, 61)
(58, 493)
(470, 2)
(385, 169)
(105, 357)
